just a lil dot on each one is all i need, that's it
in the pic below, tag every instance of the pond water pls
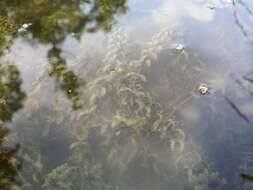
(105, 95)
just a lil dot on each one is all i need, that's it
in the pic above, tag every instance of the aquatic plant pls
(87, 176)
(135, 121)
(121, 126)
(205, 180)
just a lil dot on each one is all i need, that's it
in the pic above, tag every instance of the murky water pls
(105, 95)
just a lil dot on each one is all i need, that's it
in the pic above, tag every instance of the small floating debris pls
(24, 27)
(219, 4)
(117, 133)
(203, 89)
(210, 6)
(247, 177)
(2, 101)
(178, 46)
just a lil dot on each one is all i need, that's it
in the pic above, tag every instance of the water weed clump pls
(122, 137)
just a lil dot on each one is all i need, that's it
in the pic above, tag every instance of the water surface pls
(105, 95)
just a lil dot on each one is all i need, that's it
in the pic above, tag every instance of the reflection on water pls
(10, 92)
(90, 103)
(9, 162)
(11, 97)
(48, 23)
(242, 26)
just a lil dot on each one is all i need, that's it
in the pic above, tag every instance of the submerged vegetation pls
(120, 128)
(115, 129)
(121, 138)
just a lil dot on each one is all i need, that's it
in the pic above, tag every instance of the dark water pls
(104, 95)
